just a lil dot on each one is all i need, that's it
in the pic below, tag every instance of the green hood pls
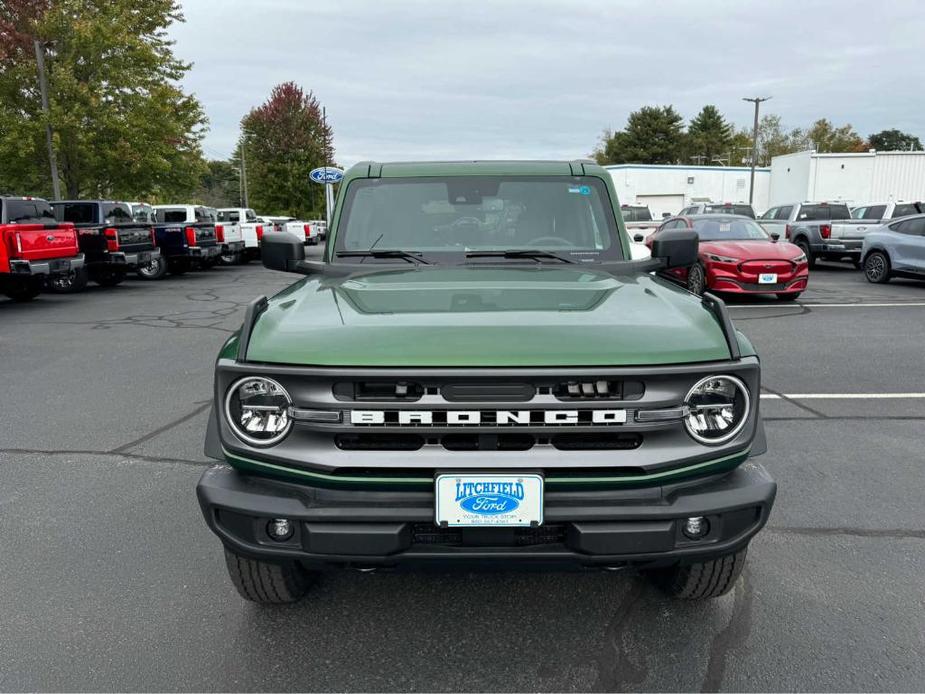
(486, 316)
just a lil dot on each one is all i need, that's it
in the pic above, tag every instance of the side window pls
(874, 212)
(770, 214)
(859, 212)
(784, 212)
(903, 210)
(910, 227)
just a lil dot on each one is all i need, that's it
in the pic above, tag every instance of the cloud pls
(409, 79)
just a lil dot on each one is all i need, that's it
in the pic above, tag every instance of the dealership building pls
(853, 178)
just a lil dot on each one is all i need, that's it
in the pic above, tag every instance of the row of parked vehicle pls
(63, 245)
(885, 239)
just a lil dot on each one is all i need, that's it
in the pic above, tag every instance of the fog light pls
(696, 527)
(280, 529)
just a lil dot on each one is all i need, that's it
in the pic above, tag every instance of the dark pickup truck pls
(33, 247)
(188, 238)
(112, 242)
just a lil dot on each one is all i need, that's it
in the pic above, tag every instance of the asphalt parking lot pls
(111, 581)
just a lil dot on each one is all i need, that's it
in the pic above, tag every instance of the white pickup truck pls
(303, 230)
(244, 222)
(638, 222)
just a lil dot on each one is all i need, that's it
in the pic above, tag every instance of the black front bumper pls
(386, 528)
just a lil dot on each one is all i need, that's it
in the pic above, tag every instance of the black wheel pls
(877, 267)
(810, 258)
(25, 290)
(696, 279)
(793, 296)
(705, 579)
(266, 583)
(68, 283)
(154, 270)
(177, 268)
(109, 277)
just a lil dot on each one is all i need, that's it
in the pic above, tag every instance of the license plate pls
(144, 258)
(489, 500)
(767, 278)
(59, 265)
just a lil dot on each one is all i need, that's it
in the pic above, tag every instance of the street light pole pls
(751, 186)
(43, 89)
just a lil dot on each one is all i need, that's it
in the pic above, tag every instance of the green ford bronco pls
(479, 371)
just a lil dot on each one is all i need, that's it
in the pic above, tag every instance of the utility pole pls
(751, 186)
(43, 89)
(243, 177)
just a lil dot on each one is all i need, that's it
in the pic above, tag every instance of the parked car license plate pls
(767, 278)
(489, 500)
(59, 265)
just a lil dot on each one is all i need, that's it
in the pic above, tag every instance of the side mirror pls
(639, 238)
(282, 251)
(677, 247)
(775, 236)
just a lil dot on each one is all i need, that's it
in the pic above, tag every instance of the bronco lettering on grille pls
(486, 417)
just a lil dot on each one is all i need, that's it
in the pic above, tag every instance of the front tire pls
(877, 267)
(266, 583)
(696, 279)
(810, 258)
(705, 579)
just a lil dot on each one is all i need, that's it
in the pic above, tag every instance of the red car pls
(738, 257)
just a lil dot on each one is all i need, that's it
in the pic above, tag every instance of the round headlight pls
(718, 409)
(257, 409)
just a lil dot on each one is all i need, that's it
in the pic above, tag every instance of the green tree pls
(123, 127)
(825, 137)
(283, 140)
(709, 137)
(653, 135)
(894, 140)
(219, 185)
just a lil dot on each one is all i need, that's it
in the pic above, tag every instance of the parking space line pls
(842, 396)
(896, 304)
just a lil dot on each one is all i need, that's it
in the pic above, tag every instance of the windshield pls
(440, 216)
(143, 213)
(171, 216)
(636, 214)
(729, 230)
(116, 213)
(28, 211)
(822, 212)
(741, 210)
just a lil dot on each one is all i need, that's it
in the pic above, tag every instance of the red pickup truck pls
(34, 247)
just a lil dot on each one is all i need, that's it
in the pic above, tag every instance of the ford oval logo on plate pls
(326, 174)
(489, 504)
(488, 500)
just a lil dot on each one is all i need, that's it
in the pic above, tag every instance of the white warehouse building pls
(852, 178)
(667, 188)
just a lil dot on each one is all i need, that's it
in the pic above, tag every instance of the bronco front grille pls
(593, 441)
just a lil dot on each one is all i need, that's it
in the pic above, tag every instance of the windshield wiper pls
(403, 255)
(533, 254)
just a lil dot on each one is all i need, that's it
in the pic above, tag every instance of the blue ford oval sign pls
(326, 174)
(489, 504)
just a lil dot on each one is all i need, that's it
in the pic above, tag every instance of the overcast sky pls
(435, 79)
